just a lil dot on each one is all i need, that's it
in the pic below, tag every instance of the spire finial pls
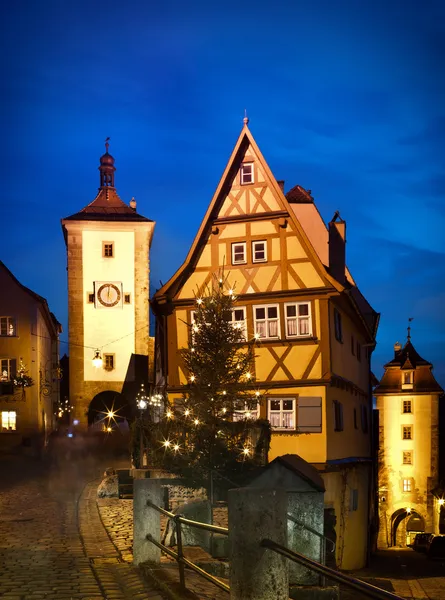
(409, 328)
(246, 118)
(107, 145)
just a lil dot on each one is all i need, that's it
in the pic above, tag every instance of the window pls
(407, 432)
(127, 298)
(90, 298)
(267, 321)
(309, 415)
(9, 420)
(246, 413)
(8, 368)
(359, 352)
(352, 345)
(407, 457)
(238, 253)
(337, 326)
(282, 413)
(338, 416)
(355, 419)
(407, 380)
(259, 251)
(107, 249)
(364, 415)
(108, 362)
(298, 319)
(239, 319)
(407, 485)
(407, 406)
(353, 503)
(246, 173)
(7, 326)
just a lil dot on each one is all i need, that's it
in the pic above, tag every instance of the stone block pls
(200, 511)
(109, 487)
(219, 547)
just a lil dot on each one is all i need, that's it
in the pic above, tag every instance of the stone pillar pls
(257, 573)
(146, 520)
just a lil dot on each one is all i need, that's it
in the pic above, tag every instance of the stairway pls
(125, 484)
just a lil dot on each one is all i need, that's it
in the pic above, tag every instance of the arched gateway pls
(108, 408)
(405, 525)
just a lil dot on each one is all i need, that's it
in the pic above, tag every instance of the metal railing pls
(356, 584)
(179, 555)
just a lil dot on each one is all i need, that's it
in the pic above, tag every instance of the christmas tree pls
(213, 428)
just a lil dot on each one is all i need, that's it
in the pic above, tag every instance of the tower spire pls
(408, 339)
(106, 167)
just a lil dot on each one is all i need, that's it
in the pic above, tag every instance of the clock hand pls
(108, 295)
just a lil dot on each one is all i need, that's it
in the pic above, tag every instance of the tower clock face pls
(109, 294)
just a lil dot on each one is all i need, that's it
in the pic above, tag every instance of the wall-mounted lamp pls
(441, 501)
(408, 510)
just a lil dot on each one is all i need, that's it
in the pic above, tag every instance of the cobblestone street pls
(52, 542)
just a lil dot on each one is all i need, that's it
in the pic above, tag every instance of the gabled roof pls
(407, 354)
(107, 206)
(300, 467)
(244, 140)
(54, 323)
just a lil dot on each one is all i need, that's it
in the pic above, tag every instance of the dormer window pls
(407, 380)
(246, 173)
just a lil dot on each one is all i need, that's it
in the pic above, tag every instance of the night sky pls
(346, 98)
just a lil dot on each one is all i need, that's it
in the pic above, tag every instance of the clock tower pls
(108, 245)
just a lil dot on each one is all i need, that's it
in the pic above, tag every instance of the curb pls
(160, 578)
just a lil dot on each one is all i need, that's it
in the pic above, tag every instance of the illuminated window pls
(8, 368)
(407, 485)
(108, 362)
(407, 380)
(9, 420)
(127, 298)
(281, 413)
(239, 253)
(309, 414)
(267, 321)
(338, 326)
(407, 457)
(239, 319)
(7, 326)
(338, 416)
(246, 413)
(298, 319)
(407, 406)
(246, 173)
(107, 249)
(407, 432)
(259, 251)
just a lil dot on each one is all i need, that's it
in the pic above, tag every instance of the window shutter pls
(309, 414)
(13, 365)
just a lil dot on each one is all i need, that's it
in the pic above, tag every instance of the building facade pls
(408, 408)
(108, 245)
(29, 361)
(314, 328)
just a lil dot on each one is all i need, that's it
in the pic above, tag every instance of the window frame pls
(359, 351)
(267, 320)
(12, 362)
(282, 411)
(251, 174)
(298, 318)
(352, 345)
(127, 295)
(243, 321)
(91, 297)
(2, 420)
(407, 485)
(240, 415)
(112, 357)
(8, 321)
(338, 326)
(104, 250)
(411, 434)
(338, 415)
(259, 260)
(410, 411)
(408, 453)
(239, 262)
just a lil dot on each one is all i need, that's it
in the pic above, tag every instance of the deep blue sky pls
(345, 98)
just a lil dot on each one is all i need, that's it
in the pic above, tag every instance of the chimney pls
(133, 204)
(397, 348)
(337, 248)
(281, 184)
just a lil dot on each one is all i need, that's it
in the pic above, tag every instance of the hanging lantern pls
(97, 360)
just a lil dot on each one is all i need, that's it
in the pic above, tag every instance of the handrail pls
(365, 588)
(181, 519)
(314, 531)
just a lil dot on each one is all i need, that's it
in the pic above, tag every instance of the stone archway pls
(108, 408)
(405, 524)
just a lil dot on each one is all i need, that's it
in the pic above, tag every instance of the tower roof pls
(107, 205)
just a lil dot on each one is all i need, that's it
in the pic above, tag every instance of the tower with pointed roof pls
(314, 330)
(108, 244)
(408, 408)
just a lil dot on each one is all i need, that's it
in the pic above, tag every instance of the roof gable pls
(107, 206)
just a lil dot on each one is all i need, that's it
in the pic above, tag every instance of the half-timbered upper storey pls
(294, 294)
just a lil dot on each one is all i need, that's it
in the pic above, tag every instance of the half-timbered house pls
(315, 329)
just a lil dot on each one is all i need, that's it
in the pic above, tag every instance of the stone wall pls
(180, 494)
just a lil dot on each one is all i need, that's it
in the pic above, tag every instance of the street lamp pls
(142, 404)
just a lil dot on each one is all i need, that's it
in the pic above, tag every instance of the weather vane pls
(409, 328)
(107, 145)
